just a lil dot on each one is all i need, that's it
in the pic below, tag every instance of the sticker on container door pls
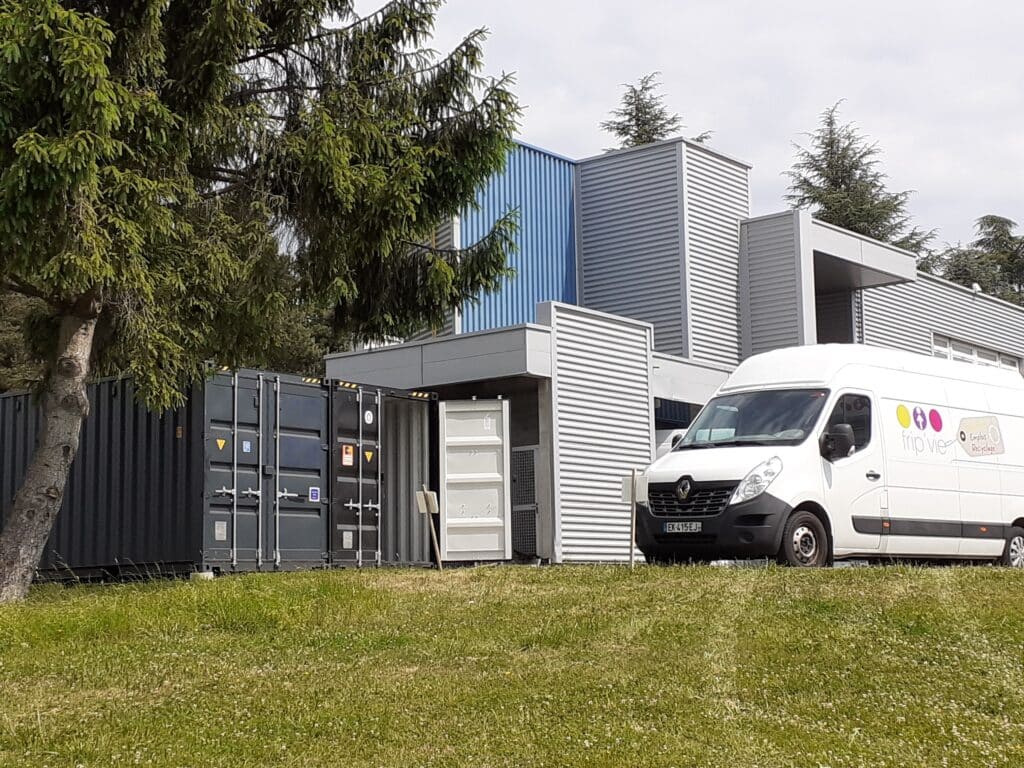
(220, 530)
(981, 436)
(346, 539)
(368, 417)
(314, 494)
(348, 455)
(246, 446)
(368, 455)
(221, 442)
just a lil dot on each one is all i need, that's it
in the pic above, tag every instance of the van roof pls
(817, 366)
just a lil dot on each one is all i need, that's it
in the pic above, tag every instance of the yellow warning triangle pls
(221, 442)
(368, 455)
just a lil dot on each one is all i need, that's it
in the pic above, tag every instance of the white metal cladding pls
(603, 414)
(717, 197)
(630, 238)
(770, 284)
(905, 316)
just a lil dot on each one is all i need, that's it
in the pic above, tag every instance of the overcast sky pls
(939, 85)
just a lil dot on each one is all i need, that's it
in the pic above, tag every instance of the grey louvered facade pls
(716, 199)
(769, 280)
(906, 316)
(630, 240)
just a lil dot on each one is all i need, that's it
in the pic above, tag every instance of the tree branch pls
(14, 285)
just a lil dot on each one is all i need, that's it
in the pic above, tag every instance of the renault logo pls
(683, 490)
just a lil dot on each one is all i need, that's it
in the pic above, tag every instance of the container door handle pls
(224, 491)
(872, 476)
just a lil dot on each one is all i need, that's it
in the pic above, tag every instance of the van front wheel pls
(804, 541)
(1013, 552)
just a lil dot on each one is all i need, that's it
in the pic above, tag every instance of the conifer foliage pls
(176, 176)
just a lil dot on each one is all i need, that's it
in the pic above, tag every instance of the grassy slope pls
(520, 666)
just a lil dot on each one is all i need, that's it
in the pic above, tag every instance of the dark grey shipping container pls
(237, 479)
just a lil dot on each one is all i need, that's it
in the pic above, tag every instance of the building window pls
(965, 352)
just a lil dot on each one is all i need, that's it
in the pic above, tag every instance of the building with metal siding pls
(659, 241)
(631, 238)
(910, 315)
(676, 285)
(538, 185)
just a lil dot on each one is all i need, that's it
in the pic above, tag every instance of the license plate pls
(689, 526)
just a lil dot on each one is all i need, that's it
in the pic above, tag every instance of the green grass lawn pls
(522, 667)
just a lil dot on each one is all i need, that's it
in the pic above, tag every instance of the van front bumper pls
(749, 529)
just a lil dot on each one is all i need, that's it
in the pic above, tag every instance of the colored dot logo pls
(919, 418)
(903, 416)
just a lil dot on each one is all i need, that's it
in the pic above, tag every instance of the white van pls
(816, 453)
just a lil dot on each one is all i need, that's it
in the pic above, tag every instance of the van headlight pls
(757, 480)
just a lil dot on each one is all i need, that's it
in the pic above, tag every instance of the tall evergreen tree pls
(994, 260)
(838, 178)
(175, 175)
(642, 117)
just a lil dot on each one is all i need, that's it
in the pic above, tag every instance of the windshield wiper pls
(728, 443)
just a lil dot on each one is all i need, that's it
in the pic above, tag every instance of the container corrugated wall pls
(631, 247)
(603, 414)
(134, 490)
(540, 185)
(716, 198)
(905, 316)
(405, 537)
(188, 490)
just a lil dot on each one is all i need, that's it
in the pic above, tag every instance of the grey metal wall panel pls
(904, 316)
(716, 197)
(630, 239)
(770, 285)
(603, 415)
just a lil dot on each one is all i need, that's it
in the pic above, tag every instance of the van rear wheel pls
(1013, 552)
(804, 542)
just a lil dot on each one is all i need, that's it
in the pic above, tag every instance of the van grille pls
(705, 500)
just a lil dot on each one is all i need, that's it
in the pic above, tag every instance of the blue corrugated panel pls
(540, 185)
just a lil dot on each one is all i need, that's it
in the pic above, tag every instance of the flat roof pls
(518, 350)
(696, 145)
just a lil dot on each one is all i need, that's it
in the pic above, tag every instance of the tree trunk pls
(37, 502)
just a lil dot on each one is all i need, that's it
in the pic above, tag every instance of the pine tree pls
(994, 260)
(839, 179)
(642, 117)
(176, 176)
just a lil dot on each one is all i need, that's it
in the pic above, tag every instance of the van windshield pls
(770, 417)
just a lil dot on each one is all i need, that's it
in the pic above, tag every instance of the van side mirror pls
(837, 442)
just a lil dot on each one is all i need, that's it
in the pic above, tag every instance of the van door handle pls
(872, 475)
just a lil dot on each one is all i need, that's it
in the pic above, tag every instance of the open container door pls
(474, 480)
